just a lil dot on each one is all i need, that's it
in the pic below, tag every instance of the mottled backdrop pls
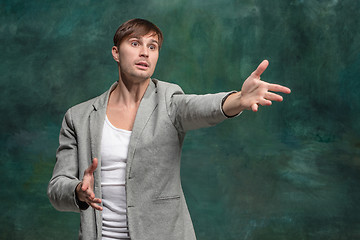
(290, 171)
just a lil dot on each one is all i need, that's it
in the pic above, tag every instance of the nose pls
(144, 51)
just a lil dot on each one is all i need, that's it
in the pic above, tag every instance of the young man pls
(118, 162)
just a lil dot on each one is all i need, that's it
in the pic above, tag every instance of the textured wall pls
(290, 171)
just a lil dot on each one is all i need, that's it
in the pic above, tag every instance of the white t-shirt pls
(114, 148)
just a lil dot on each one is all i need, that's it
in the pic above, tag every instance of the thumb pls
(89, 171)
(93, 166)
(261, 68)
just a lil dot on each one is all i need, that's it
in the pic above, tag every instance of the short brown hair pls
(136, 27)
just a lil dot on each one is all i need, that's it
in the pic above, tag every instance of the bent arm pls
(65, 178)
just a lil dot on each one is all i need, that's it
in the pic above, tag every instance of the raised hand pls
(254, 92)
(85, 189)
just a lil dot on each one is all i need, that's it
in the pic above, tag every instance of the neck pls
(128, 93)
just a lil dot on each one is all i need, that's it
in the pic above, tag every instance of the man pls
(133, 133)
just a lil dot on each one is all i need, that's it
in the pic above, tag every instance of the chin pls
(140, 78)
(144, 76)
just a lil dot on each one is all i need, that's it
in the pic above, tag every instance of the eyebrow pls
(154, 41)
(138, 38)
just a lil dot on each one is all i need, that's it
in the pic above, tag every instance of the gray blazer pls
(156, 205)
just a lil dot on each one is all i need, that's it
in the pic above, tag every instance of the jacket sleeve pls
(189, 111)
(65, 178)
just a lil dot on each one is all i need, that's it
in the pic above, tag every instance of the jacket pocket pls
(166, 198)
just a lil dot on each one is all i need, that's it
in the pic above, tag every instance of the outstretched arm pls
(254, 92)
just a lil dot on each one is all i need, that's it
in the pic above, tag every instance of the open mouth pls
(142, 64)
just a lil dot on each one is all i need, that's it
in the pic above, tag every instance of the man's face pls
(137, 57)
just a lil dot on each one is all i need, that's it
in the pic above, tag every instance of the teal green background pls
(290, 171)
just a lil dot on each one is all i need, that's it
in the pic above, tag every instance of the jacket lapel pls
(146, 108)
(96, 123)
(97, 118)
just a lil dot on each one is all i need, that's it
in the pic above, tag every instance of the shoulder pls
(166, 87)
(85, 108)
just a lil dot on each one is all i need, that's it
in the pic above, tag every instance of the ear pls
(115, 53)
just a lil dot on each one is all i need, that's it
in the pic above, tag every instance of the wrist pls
(232, 104)
(81, 204)
(78, 192)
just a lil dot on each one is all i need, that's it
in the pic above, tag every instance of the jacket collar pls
(147, 106)
(102, 100)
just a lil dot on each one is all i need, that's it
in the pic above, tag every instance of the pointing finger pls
(278, 88)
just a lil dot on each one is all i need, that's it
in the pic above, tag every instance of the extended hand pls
(254, 92)
(85, 189)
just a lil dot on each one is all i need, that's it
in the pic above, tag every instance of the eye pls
(152, 47)
(134, 44)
